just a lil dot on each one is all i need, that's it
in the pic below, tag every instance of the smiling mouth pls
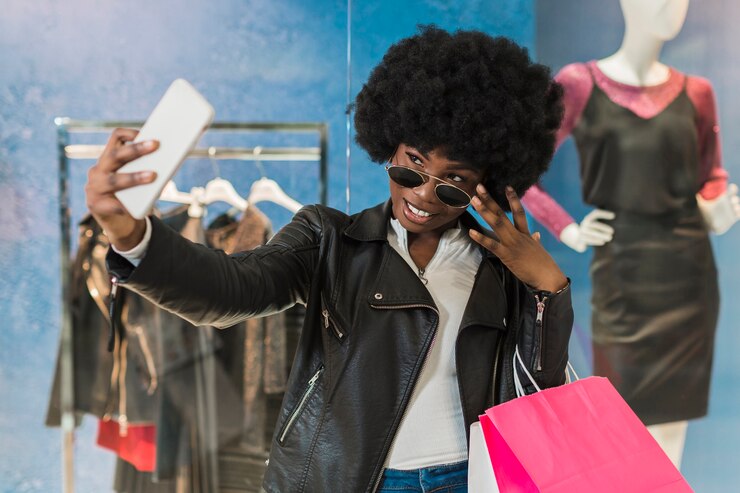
(417, 214)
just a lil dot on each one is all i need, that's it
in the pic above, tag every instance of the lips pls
(416, 214)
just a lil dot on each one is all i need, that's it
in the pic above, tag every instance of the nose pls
(426, 191)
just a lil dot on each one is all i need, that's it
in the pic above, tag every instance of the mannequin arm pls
(590, 232)
(721, 212)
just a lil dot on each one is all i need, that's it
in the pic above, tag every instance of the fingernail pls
(150, 144)
(147, 175)
(480, 188)
(509, 188)
(476, 201)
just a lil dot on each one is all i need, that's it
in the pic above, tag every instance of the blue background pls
(275, 60)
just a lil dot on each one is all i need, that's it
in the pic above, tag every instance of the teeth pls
(418, 212)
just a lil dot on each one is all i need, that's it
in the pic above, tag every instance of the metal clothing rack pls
(67, 152)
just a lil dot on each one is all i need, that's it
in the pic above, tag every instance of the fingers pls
(120, 136)
(598, 214)
(595, 238)
(597, 227)
(106, 183)
(517, 210)
(490, 211)
(593, 231)
(106, 207)
(119, 150)
(488, 243)
(129, 152)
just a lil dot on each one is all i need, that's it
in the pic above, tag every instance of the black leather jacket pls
(369, 325)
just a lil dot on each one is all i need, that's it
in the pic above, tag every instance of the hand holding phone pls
(177, 122)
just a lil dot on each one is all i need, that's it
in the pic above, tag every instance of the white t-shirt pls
(433, 430)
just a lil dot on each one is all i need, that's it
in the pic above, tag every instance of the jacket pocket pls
(296, 413)
(330, 323)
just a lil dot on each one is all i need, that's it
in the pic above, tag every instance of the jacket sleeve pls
(546, 321)
(208, 287)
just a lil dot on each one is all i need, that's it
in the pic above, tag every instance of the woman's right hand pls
(123, 230)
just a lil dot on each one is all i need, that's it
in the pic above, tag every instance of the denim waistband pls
(426, 479)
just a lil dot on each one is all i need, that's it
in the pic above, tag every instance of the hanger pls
(266, 189)
(170, 193)
(220, 190)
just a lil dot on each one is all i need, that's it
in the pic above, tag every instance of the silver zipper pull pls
(421, 276)
(114, 287)
(325, 313)
(315, 377)
(540, 308)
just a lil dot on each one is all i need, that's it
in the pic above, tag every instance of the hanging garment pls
(161, 371)
(256, 352)
(655, 295)
(102, 376)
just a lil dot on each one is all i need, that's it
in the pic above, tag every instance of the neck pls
(636, 61)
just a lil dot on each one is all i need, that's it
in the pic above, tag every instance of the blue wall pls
(261, 60)
(573, 30)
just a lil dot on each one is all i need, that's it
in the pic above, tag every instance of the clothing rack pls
(68, 152)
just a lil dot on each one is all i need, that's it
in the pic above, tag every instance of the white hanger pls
(220, 190)
(170, 193)
(216, 190)
(266, 189)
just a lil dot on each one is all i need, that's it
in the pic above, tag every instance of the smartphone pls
(177, 122)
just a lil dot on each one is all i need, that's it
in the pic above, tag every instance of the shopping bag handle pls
(517, 381)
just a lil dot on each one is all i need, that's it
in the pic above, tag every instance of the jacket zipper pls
(329, 323)
(301, 404)
(122, 363)
(379, 475)
(540, 326)
(112, 313)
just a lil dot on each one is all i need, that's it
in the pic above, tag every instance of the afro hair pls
(476, 99)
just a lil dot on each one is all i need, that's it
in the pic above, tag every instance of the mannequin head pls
(660, 18)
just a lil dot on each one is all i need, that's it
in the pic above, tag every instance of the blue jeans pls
(447, 478)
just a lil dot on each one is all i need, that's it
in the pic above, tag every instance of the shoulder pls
(575, 76)
(700, 91)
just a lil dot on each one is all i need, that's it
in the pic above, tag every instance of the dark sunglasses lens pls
(405, 177)
(454, 197)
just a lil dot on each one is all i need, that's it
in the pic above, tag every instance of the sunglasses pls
(449, 195)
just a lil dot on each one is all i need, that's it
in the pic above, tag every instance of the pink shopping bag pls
(581, 437)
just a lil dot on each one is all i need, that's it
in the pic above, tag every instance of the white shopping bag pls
(481, 478)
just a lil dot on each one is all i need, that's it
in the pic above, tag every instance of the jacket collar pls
(487, 303)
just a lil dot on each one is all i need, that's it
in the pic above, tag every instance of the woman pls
(413, 311)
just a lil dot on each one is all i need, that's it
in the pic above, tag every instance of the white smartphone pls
(177, 122)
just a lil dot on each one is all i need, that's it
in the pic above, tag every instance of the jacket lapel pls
(487, 303)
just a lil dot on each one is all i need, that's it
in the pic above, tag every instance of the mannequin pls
(648, 141)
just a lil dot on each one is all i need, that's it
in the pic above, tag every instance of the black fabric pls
(346, 396)
(655, 297)
(98, 373)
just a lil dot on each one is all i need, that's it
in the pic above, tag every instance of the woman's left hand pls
(519, 250)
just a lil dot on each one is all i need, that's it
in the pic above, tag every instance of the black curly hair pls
(477, 99)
